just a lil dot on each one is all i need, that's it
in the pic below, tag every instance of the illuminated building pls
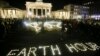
(71, 12)
(77, 11)
(38, 9)
(9, 12)
(12, 13)
(61, 14)
(96, 17)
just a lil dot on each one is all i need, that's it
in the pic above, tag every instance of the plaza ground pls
(19, 37)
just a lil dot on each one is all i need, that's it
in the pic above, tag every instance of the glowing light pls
(48, 25)
(65, 30)
(33, 25)
(80, 46)
(71, 48)
(12, 52)
(39, 0)
(23, 52)
(25, 23)
(52, 25)
(32, 50)
(92, 46)
(95, 16)
(30, 13)
(44, 49)
(56, 49)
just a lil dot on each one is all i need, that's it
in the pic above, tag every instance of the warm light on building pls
(61, 14)
(12, 13)
(39, 9)
(77, 11)
(71, 12)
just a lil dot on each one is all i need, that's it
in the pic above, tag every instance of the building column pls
(49, 12)
(28, 12)
(41, 12)
(36, 12)
(45, 12)
(33, 12)
(3, 14)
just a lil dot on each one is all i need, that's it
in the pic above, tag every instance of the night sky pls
(57, 4)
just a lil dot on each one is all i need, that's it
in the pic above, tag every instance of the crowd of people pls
(74, 27)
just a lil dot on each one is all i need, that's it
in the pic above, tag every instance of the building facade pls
(9, 12)
(71, 11)
(12, 13)
(39, 9)
(77, 11)
(61, 14)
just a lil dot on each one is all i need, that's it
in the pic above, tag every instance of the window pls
(34, 11)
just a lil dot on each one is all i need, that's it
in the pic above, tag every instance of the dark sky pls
(57, 4)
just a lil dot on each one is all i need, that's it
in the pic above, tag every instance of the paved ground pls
(21, 37)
